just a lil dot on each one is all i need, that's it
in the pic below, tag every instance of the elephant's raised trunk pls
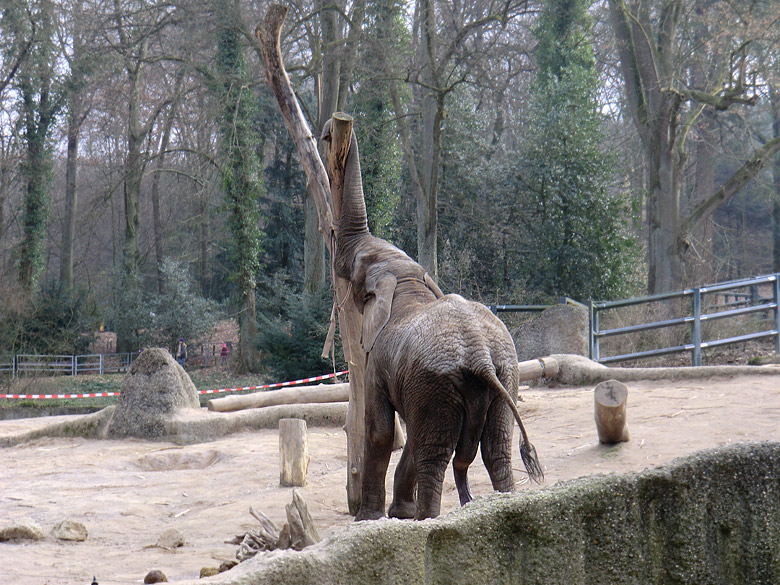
(353, 223)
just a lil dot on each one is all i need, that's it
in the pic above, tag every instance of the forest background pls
(520, 150)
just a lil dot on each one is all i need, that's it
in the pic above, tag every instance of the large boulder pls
(558, 329)
(155, 390)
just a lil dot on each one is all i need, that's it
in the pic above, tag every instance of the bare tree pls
(655, 49)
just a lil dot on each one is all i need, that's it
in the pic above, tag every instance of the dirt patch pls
(205, 490)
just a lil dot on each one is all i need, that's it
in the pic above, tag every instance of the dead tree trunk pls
(268, 35)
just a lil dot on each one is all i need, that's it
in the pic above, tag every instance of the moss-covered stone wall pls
(712, 518)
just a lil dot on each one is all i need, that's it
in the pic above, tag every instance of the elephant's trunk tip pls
(531, 462)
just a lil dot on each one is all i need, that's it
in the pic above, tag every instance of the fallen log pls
(298, 395)
(545, 367)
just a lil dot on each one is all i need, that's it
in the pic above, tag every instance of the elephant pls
(446, 365)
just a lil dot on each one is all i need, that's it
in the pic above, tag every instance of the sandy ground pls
(128, 493)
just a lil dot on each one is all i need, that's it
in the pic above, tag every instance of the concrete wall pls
(712, 518)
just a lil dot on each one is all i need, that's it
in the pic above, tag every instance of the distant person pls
(181, 352)
(224, 353)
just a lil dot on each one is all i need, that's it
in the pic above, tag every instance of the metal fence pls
(70, 365)
(725, 300)
(200, 355)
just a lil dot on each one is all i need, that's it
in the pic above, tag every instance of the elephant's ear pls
(376, 311)
(431, 284)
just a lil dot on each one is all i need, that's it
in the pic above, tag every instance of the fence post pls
(590, 328)
(100, 361)
(595, 336)
(776, 300)
(696, 327)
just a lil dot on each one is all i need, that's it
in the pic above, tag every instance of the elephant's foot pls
(403, 510)
(366, 514)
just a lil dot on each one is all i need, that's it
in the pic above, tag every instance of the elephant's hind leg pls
(404, 484)
(380, 427)
(466, 450)
(496, 446)
(433, 443)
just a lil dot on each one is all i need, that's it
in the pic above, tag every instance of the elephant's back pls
(447, 334)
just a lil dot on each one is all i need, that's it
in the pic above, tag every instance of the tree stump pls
(610, 411)
(293, 452)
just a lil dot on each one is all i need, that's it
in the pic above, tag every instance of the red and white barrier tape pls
(277, 385)
(217, 391)
(93, 395)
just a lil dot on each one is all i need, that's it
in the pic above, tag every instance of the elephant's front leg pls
(380, 426)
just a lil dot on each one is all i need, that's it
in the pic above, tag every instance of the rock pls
(24, 529)
(70, 530)
(227, 565)
(208, 572)
(558, 329)
(155, 576)
(154, 391)
(171, 539)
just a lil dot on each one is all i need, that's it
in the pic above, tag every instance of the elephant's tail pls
(527, 450)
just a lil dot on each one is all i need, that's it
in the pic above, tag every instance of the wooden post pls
(293, 452)
(610, 411)
(268, 36)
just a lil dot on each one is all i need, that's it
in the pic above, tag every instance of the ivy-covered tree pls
(242, 180)
(578, 228)
(39, 101)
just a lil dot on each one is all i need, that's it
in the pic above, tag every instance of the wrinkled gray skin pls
(446, 365)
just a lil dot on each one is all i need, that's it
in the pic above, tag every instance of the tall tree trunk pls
(774, 100)
(155, 191)
(71, 194)
(665, 267)
(433, 114)
(242, 179)
(39, 107)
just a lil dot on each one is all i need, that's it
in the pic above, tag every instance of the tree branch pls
(731, 187)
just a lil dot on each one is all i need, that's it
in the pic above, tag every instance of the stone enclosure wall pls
(712, 518)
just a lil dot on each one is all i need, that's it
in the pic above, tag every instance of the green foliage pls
(132, 314)
(180, 311)
(293, 328)
(580, 245)
(478, 236)
(286, 185)
(52, 323)
(375, 124)
(146, 320)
